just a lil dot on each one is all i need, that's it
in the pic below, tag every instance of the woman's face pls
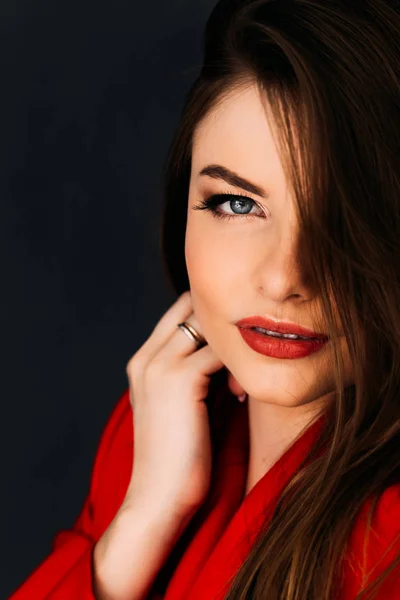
(246, 265)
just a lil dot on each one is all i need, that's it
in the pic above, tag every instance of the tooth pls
(289, 336)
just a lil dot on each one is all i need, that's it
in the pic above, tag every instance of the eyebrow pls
(220, 172)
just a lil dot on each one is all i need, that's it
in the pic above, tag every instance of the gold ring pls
(192, 334)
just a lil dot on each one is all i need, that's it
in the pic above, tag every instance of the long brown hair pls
(330, 70)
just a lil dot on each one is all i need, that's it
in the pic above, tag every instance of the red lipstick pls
(280, 347)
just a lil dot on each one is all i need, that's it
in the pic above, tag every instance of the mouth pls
(270, 344)
(281, 330)
(286, 336)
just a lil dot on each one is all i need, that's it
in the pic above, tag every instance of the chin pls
(282, 391)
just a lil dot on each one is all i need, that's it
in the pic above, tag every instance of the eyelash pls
(210, 204)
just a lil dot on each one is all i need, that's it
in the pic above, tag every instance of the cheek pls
(201, 267)
(208, 269)
(198, 254)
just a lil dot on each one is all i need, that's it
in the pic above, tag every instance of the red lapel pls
(228, 525)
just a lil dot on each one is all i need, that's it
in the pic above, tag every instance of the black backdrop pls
(90, 95)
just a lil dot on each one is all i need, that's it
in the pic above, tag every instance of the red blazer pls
(218, 538)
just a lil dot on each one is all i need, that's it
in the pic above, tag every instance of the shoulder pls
(387, 514)
(113, 463)
(119, 425)
(374, 543)
(385, 520)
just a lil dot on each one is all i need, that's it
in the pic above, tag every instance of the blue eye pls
(236, 202)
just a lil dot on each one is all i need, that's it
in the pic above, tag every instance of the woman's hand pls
(169, 379)
(172, 456)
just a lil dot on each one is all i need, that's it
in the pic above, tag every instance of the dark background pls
(90, 95)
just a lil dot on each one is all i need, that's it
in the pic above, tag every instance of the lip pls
(279, 327)
(279, 347)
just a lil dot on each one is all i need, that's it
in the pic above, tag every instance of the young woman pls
(281, 236)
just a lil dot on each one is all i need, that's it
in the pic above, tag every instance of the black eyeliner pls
(212, 202)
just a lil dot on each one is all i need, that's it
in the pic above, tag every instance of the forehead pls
(237, 133)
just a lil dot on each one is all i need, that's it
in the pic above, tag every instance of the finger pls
(178, 312)
(234, 385)
(179, 344)
(204, 361)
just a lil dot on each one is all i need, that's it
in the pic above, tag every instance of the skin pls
(242, 266)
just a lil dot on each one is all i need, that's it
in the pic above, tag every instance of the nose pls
(279, 273)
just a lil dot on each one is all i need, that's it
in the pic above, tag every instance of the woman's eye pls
(235, 206)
